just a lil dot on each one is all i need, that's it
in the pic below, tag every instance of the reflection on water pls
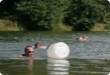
(58, 67)
(55, 67)
(30, 66)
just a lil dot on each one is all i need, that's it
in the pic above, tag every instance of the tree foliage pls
(81, 15)
(43, 14)
(84, 13)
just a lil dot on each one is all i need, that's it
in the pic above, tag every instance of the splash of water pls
(109, 0)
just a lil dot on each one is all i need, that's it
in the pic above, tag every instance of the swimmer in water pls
(39, 45)
(83, 38)
(29, 50)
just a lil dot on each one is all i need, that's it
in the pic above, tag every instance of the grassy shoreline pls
(8, 25)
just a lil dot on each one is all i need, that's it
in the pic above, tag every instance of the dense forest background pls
(61, 15)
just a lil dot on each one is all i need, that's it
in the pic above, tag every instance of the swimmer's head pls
(37, 45)
(29, 48)
(82, 35)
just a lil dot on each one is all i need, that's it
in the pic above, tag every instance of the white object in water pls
(109, 0)
(1, 74)
(109, 74)
(0, 0)
(58, 50)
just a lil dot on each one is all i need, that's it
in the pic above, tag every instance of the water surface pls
(86, 58)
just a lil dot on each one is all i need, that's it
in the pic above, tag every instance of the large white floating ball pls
(108, 73)
(1, 74)
(0, 0)
(58, 50)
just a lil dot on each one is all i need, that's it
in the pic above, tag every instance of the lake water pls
(86, 58)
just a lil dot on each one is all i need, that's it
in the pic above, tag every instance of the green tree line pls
(80, 15)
